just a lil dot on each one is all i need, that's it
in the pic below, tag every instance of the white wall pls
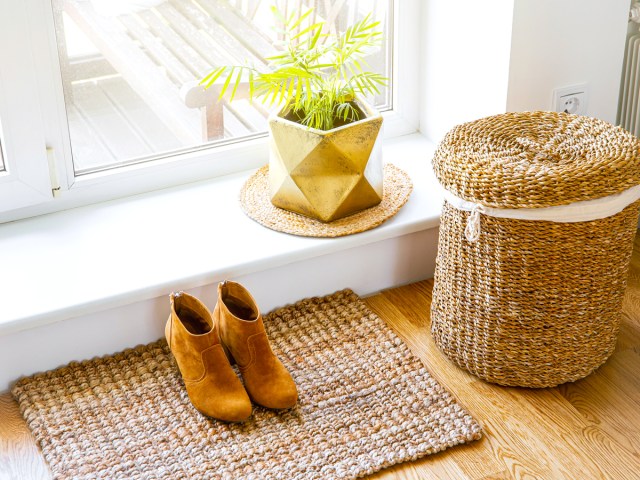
(466, 49)
(484, 58)
(557, 43)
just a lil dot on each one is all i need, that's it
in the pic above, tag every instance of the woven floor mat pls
(365, 403)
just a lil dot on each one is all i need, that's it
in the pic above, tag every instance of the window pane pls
(131, 68)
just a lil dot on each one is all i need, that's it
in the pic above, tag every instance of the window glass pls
(130, 71)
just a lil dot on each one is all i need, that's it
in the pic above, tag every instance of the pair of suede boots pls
(205, 344)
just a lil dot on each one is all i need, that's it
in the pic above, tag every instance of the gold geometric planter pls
(326, 174)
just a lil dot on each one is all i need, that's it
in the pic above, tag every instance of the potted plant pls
(325, 161)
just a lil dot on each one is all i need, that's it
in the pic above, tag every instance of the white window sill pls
(83, 260)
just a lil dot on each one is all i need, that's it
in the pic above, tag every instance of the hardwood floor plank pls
(621, 371)
(605, 404)
(629, 336)
(573, 437)
(551, 419)
(431, 467)
(20, 458)
(504, 475)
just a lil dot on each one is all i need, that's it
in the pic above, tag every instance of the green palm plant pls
(317, 76)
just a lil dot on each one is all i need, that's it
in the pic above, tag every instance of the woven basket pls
(532, 303)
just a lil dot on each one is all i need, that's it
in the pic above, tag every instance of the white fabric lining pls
(584, 211)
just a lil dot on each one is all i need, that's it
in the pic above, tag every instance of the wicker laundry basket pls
(533, 302)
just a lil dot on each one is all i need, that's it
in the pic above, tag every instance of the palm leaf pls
(316, 74)
(317, 27)
(300, 19)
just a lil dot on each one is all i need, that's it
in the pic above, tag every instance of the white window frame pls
(44, 101)
(25, 178)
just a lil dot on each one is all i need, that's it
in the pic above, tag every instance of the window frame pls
(195, 165)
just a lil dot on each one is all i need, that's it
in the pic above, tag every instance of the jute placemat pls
(256, 203)
(365, 403)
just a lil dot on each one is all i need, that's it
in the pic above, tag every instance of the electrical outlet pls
(572, 99)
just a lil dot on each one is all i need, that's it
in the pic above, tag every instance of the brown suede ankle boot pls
(212, 385)
(242, 333)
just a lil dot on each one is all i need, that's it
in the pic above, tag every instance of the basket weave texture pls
(533, 303)
(536, 159)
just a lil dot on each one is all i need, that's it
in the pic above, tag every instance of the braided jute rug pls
(365, 403)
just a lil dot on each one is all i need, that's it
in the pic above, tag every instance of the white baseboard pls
(366, 269)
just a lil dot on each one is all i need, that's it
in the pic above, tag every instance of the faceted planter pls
(326, 174)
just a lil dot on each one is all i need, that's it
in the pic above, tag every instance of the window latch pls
(53, 173)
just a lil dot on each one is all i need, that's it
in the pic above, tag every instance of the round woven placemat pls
(255, 202)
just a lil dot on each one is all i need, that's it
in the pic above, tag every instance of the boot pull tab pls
(175, 295)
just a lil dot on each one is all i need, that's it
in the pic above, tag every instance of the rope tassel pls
(472, 230)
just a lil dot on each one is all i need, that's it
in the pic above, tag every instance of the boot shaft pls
(190, 331)
(238, 318)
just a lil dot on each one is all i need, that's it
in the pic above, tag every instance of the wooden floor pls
(111, 125)
(589, 429)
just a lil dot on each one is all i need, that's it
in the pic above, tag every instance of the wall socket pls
(572, 99)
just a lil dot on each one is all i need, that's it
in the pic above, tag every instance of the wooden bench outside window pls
(163, 52)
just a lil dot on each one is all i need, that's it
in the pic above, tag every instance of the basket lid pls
(537, 159)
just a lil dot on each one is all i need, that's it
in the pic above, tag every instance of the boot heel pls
(227, 352)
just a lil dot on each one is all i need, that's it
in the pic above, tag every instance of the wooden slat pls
(109, 123)
(252, 9)
(88, 148)
(333, 11)
(213, 122)
(91, 149)
(89, 69)
(251, 119)
(134, 65)
(174, 67)
(190, 24)
(139, 116)
(176, 43)
(227, 16)
(224, 48)
(183, 43)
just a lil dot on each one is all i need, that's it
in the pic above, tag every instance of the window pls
(110, 89)
(129, 73)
